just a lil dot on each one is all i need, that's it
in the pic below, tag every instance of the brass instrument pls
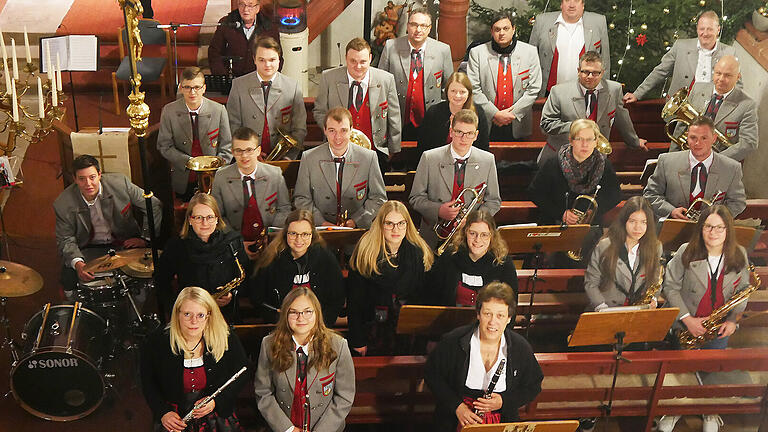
(342, 218)
(234, 283)
(693, 214)
(205, 167)
(285, 144)
(654, 289)
(357, 136)
(603, 145)
(717, 317)
(445, 229)
(584, 216)
(679, 110)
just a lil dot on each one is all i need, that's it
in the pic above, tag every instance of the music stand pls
(547, 426)
(675, 232)
(620, 328)
(433, 320)
(538, 239)
(338, 238)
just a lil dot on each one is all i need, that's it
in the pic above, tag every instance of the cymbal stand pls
(7, 339)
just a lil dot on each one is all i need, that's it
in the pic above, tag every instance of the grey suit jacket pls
(670, 185)
(271, 195)
(433, 184)
(285, 110)
(331, 391)
(544, 37)
(362, 189)
(174, 140)
(438, 66)
(736, 119)
(483, 69)
(623, 278)
(119, 198)
(685, 286)
(566, 104)
(383, 101)
(679, 62)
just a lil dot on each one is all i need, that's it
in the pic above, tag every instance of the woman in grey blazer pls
(625, 262)
(305, 373)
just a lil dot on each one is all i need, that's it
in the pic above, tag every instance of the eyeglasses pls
(717, 229)
(389, 225)
(584, 140)
(293, 314)
(481, 235)
(200, 218)
(419, 26)
(590, 73)
(244, 151)
(303, 235)
(247, 6)
(460, 134)
(189, 89)
(189, 315)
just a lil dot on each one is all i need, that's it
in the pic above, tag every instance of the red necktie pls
(714, 105)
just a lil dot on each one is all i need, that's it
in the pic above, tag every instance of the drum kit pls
(59, 368)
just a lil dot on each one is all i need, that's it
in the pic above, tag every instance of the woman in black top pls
(577, 170)
(434, 129)
(203, 256)
(476, 256)
(297, 257)
(386, 271)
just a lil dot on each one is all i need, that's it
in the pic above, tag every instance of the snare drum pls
(99, 292)
(58, 376)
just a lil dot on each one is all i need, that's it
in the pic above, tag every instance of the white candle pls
(7, 77)
(58, 73)
(41, 105)
(15, 104)
(2, 43)
(54, 95)
(26, 45)
(15, 62)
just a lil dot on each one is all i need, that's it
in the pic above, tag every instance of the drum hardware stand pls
(533, 279)
(130, 298)
(5, 322)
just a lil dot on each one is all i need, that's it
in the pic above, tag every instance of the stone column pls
(452, 27)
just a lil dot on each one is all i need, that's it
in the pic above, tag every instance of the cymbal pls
(143, 268)
(110, 262)
(17, 280)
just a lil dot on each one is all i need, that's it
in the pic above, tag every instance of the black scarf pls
(582, 177)
(201, 252)
(506, 50)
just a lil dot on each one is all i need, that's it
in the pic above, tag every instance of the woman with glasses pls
(386, 271)
(577, 170)
(187, 361)
(702, 275)
(305, 379)
(476, 256)
(203, 256)
(295, 258)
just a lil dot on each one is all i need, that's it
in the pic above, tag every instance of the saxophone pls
(654, 289)
(715, 320)
(234, 283)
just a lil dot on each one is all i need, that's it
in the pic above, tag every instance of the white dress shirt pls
(477, 377)
(704, 63)
(707, 164)
(570, 42)
(363, 84)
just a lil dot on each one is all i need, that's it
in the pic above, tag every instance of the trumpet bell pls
(603, 145)
(283, 146)
(205, 167)
(357, 137)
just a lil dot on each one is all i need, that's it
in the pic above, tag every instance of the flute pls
(492, 384)
(202, 403)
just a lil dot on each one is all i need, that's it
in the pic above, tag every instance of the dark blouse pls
(446, 274)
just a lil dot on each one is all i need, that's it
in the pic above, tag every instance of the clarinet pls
(492, 384)
(305, 423)
(202, 403)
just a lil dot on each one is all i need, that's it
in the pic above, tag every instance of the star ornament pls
(641, 39)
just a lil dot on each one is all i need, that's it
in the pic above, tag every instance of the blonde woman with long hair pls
(386, 271)
(187, 361)
(303, 361)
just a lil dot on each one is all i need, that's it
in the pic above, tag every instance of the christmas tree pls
(640, 31)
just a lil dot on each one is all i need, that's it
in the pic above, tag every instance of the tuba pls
(654, 289)
(357, 136)
(693, 213)
(205, 167)
(285, 144)
(584, 216)
(679, 110)
(445, 229)
(717, 317)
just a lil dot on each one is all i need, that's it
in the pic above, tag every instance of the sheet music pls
(55, 45)
(83, 53)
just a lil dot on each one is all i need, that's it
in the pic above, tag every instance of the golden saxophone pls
(234, 283)
(694, 214)
(584, 216)
(283, 146)
(717, 318)
(445, 229)
(653, 290)
(679, 110)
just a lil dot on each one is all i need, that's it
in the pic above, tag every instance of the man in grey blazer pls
(681, 177)
(96, 214)
(420, 65)
(252, 195)
(561, 38)
(688, 61)
(340, 180)
(445, 171)
(265, 100)
(178, 140)
(734, 113)
(592, 97)
(506, 79)
(369, 93)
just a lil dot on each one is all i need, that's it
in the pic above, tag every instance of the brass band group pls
(251, 238)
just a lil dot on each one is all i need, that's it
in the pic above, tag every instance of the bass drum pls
(58, 375)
